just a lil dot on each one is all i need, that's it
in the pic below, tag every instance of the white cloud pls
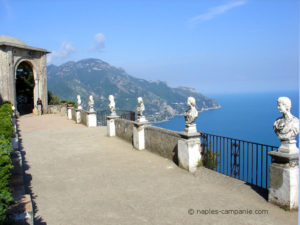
(64, 51)
(213, 12)
(99, 42)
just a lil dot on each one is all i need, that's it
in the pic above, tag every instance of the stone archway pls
(13, 54)
(24, 88)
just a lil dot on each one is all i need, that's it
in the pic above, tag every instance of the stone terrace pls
(78, 175)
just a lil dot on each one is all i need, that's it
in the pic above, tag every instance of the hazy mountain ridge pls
(98, 78)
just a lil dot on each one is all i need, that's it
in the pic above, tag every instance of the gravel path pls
(77, 175)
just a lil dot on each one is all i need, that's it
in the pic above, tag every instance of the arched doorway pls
(24, 88)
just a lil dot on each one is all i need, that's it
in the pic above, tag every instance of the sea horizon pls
(245, 116)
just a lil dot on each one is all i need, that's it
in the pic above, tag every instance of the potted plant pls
(71, 104)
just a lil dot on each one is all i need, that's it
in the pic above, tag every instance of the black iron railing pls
(124, 114)
(244, 160)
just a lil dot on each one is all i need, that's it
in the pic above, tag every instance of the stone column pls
(139, 134)
(78, 115)
(111, 127)
(36, 96)
(91, 119)
(284, 179)
(69, 113)
(36, 81)
(189, 148)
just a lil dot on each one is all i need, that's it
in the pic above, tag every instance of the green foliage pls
(6, 128)
(5, 201)
(52, 99)
(6, 131)
(68, 102)
(209, 159)
(73, 103)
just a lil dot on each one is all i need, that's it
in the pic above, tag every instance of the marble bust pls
(79, 102)
(112, 105)
(191, 115)
(287, 126)
(140, 109)
(91, 103)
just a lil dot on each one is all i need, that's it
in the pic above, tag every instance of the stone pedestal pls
(111, 127)
(139, 134)
(142, 119)
(190, 129)
(189, 148)
(69, 113)
(14, 123)
(284, 179)
(288, 147)
(91, 119)
(15, 142)
(78, 115)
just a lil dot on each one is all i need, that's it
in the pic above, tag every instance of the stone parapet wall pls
(162, 141)
(73, 114)
(84, 117)
(124, 129)
(158, 140)
(57, 109)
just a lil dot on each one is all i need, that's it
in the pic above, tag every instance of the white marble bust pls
(91, 103)
(191, 114)
(79, 102)
(141, 108)
(287, 126)
(112, 105)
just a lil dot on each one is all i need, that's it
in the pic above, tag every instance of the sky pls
(214, 46)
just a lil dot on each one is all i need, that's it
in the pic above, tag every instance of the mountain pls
(98, 78)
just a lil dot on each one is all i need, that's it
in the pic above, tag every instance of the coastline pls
(181, 114)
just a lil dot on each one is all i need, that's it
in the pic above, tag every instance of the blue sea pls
(247, 117)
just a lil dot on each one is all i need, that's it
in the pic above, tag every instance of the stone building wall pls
(12, 53)
(6, 69)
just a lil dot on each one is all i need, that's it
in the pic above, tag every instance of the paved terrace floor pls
(77, 175)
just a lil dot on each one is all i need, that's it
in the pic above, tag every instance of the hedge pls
(6, 131)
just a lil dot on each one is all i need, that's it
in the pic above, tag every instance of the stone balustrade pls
(160, 141)
(124, 129)
(82, 116)
(184, 148)
(57, 109)
(163, 142)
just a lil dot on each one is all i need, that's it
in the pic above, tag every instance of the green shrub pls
(5, 201)
(209, 159)
(70, 102)
(52, 99)
(6, 131)
(6, 128)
